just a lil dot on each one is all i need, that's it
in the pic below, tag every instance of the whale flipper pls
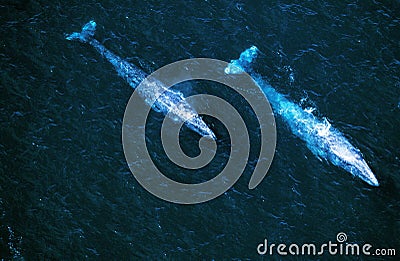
(87, 33)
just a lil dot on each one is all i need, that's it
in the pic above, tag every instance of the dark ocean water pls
(66, 191)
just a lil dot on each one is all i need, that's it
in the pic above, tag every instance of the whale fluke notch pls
(87, 33)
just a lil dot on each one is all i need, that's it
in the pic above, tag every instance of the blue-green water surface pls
(66, 191)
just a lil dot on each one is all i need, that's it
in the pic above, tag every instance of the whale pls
(167, 101)
(324, 141)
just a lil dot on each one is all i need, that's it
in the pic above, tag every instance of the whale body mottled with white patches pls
(165, 99)
(321, 138)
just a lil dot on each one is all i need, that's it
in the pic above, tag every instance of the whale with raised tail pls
(166, 100)
(321, 138)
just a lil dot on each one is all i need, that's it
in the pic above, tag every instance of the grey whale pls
(321, 138)
(165, 99)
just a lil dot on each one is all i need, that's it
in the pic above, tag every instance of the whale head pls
(349, 158)
(198, 125)
(363, 171)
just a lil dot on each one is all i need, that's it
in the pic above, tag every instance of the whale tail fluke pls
(243, 63)
(87, 33)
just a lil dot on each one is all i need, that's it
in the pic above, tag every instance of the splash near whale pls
(165, 99)
(321, 138)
